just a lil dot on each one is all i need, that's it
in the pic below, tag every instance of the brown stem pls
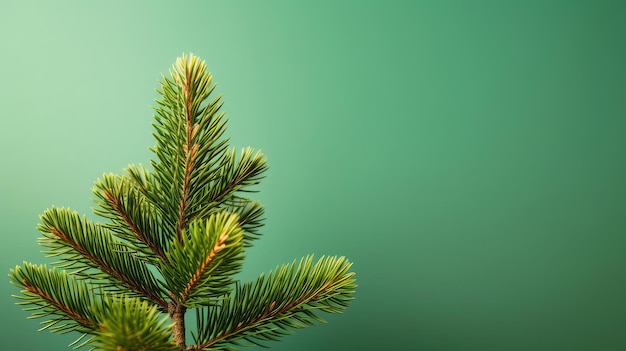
(177, 313)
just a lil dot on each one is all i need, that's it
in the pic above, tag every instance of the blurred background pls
(468, 157)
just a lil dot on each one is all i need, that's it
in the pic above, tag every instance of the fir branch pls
(269, 308)
(180, 120)
(195, 170)
(145, 182)
(233, 176)
(220, 244)
(56, 295)
(119, 207)
(247, 172)
(131, 324)
(134, 217)
(250, 217)
(250, 214)
(58, 305)
(69, 236)
(190, 219)
(200, 269)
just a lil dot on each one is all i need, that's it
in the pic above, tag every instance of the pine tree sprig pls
(82, 245)
(193, 165)
(237, 174)
(200, 269)
(188, 131)
(130, 324)
(250, 216)
(134, 217)
(145, 182)
(174, 239)
(289, 298)
(65, 300)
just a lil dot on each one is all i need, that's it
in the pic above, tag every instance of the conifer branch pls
(228, 189)
(250, 217)
(75, 315)
(130, 324)
(58, 296)
(188, 219)
(65, 229)
(146, 183)
(201, 268)
(220, 244)
(271, 307)
(113, 201)
(102, 264)
(126, 201)
(233, 176)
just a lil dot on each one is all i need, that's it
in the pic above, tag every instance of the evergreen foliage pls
(172, 238)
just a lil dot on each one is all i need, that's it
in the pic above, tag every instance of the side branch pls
(110, 270)
(80, 319)
(263, 318)
(117, 206)
(219, 246)
(246, 173)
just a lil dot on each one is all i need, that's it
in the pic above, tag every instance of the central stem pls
(189, 151)
(177, 313)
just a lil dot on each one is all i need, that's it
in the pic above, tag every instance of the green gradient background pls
(467, 156)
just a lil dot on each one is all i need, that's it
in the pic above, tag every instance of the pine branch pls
(145, 181)
(269, 308)
(234, 176)
(134, 217)
(62, 298)
(189, 218)
(82, 245)
(132, 325)
(193, 167)
(117, 322)
(201, 268)
(180, 120)
(250, 216)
